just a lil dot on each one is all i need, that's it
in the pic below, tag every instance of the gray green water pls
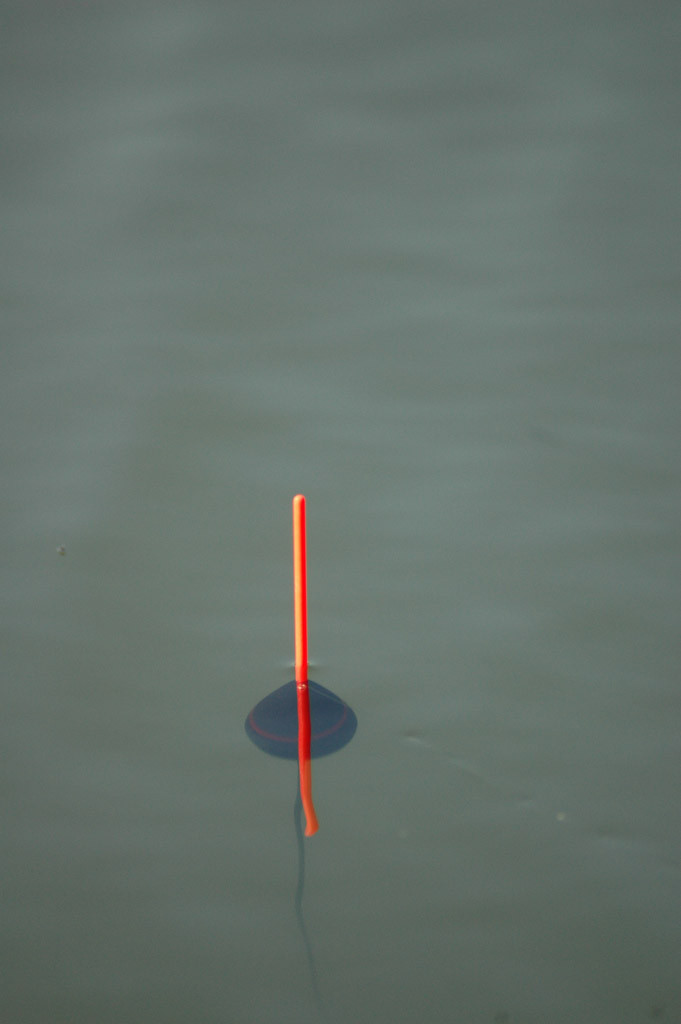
(418, 261)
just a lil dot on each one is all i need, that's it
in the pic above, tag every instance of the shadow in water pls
(273, 723)
(272, 726)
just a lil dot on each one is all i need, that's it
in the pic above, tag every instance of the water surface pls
(419, 263)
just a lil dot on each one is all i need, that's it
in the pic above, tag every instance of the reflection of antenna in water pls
(298, 899)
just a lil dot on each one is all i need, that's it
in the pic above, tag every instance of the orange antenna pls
(302, 690)
(300, 587)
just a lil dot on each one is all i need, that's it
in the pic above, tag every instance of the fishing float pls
(302, 688)
(301, 719)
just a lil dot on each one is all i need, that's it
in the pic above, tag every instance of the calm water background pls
(419, 261)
